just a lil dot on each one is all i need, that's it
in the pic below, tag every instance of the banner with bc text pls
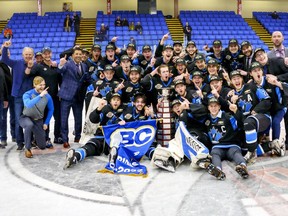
(132, 141)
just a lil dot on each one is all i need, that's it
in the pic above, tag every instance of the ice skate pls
(214, 171)
(70, 158)
(242, 171)
(250, 157)
(277, 148)
(168, 165)
(204, 162)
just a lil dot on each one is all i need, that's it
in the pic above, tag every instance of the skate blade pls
(167, 168)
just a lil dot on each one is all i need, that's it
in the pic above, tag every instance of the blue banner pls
(132, 141)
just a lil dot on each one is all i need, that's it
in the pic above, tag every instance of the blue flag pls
(132, 141)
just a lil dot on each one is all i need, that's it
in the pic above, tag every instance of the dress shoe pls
(20, 146)
(28, 153)
(76, 140)
(58, 140)
(66, 145)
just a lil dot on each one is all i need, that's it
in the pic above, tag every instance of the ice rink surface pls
(40, 186)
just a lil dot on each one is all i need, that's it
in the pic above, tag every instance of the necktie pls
(79, 72)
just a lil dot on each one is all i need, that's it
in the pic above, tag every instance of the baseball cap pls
(212, 61)
(258, 49)
(255, 65)
(217, 43)
(191, 43)
(85, 50)
(180, 81)
(245, 43)
(135, 68)
(168, 46)
(214, 77)
(174, 102)
(46, 49)
(235, 73)
(213, 100)
(110, 95)
(124, 58)
(199, 57)
(146, 47)
(96, 46)
(38, 54)
(108, 67)
(197, 73)
(180, 61)
(233, 41)
(177, 42)
(110, 46)
(131, 45)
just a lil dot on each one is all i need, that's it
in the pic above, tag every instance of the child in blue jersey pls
(35, 102)
(223, 132)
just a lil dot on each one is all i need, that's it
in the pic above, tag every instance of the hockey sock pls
(80, 154)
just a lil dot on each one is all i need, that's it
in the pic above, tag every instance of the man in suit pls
(278, 50)
(75, 79)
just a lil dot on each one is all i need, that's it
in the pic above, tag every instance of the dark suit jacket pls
(277, 67)
(73, 86)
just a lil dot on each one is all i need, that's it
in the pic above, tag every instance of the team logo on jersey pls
(99, 82)
(91, 69)
(220, 123)
(215, 135)
(144, 62)
(142, 117)
(119, 110)
(105, 90)
(247, 91)
(207, 123)
(128, 116)
(109, 115)
(129, 89)
(245, 106)
(158, 86)
(228, 57)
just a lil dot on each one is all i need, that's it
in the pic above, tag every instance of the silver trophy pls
(164, 134)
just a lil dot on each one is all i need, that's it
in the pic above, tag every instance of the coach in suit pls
(75, 79)
(278, 50)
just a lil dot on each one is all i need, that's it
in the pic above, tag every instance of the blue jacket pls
(73, 86)
(21, 82)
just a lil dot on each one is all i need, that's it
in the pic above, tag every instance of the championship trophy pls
(165, 131)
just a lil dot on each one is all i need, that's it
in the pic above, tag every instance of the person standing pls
(187, 31)
(32, 121)
(76, 21)
(75, 79)
(67, 23)
(3, 98)
(49, 71)
(20, 84)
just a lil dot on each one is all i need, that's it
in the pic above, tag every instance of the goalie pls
(188, 142)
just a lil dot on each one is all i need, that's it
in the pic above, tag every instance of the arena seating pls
(40, 31)
(154, 27)
(272, 25)
(222, 25)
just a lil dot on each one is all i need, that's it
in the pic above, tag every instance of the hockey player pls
(278, 108)
(94, 61)
(169, 158)
(233, 56)
(143, 59)
(129, 88)
(104, 114)
(213, 68)
(200, 65)
(191, 50)
(198, 84)
(223, 132)
(218, 91)
(254, 103)
(122, 71)
(180, 71)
